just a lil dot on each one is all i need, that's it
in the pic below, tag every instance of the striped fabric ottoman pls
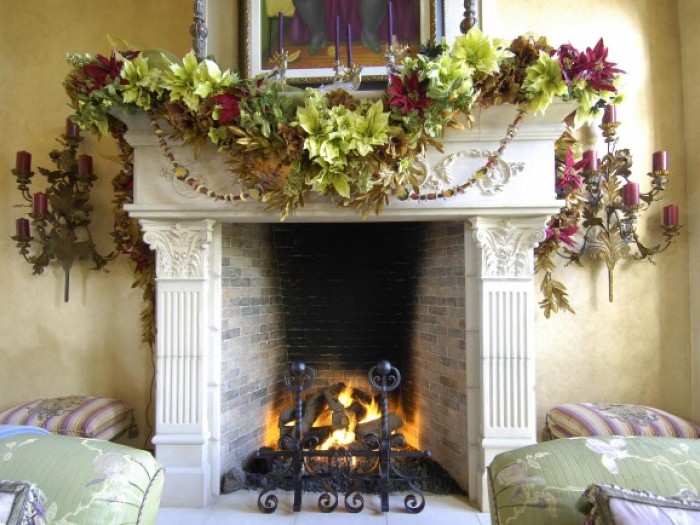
(606, 419)
(77, 415)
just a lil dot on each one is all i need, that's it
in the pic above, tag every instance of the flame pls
(346, 436)
(373, 411)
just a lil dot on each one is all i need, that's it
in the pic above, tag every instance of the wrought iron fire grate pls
(374, 460)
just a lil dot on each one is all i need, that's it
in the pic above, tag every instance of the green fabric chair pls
(541, 484)
(83, 481)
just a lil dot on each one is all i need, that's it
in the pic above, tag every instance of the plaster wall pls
(689, 15)
(92, 343)
(636, 349)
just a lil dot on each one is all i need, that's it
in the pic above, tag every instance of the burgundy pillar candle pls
(590, 160)
(40, 204)
(349, 45)
(630, 194)
(72, 129)
(24, 162)
(671, 215)
(610, 114)
(659, 161)
(84, 165)
(22, 225)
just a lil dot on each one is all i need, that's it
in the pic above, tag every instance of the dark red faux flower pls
(562, 234)
(591, 65)
(596, 69)
(230, 107)
(408, 94)
(570, 179)
(104, 70)
(568, 57)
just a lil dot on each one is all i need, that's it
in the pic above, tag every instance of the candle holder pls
(394, 55)
(612, 206)
(353, 76)
(280, 61)
(61, 214)
(340, 79)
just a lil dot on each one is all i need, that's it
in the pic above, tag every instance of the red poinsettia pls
(230, 107)
(591, 65)
(596, 69)
(104, 70)
(570, 179)
(564, 234)
(408, 94)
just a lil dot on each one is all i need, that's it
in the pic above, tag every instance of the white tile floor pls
(240, 508)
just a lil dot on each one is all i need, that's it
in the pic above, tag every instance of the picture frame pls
(414, 21)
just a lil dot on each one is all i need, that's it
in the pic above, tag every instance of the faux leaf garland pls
(355, 151)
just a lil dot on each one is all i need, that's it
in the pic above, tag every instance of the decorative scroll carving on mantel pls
(181, 247)
(507, 247)
(441, 175)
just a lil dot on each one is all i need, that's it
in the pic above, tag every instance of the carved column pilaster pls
(505, 254)
(182, 431)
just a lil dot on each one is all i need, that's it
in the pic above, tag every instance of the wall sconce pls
(60, 214)
(612, 205)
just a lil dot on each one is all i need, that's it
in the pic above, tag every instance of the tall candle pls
(24, 162)
(590, 160)
(280, 31)
(610, 114)
(72, 129)
(671, 215)
(391, 23)
(630, 194)
(84, 165)
(337, 38)
(39, 204)
(660, 161)
(22, 226)
(349, 45)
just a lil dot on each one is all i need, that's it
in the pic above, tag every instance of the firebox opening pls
(342, 297)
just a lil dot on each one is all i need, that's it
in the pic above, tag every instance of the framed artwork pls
(315, 32)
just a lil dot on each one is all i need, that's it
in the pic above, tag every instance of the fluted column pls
(505, 395)
(182, 427)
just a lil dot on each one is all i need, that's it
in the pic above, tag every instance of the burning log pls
(313, 407)
(374, 426)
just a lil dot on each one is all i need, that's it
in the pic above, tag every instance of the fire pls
(346, 436)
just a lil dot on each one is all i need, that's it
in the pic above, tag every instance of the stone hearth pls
(502, 219)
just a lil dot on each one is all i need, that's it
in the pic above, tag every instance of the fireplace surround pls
(204, 325)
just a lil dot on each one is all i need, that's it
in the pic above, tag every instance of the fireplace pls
(341, 297)
(471, 303)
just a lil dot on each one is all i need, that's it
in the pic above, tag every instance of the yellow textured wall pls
(637, 349)
(91, 344)
(634, 350)
(689, 16)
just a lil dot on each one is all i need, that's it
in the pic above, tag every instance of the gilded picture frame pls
(309, 29)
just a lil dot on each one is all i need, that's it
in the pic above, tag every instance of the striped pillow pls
(604, 419)
(81, 416)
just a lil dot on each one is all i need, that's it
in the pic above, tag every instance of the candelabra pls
(61, 214)
(612, 205)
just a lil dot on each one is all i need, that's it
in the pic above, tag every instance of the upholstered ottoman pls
(606, 419)
(76, 415)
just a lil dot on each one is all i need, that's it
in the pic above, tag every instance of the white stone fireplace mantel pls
(504, 218)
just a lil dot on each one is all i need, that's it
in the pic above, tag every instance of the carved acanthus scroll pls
(181, 247)
(507, 247)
